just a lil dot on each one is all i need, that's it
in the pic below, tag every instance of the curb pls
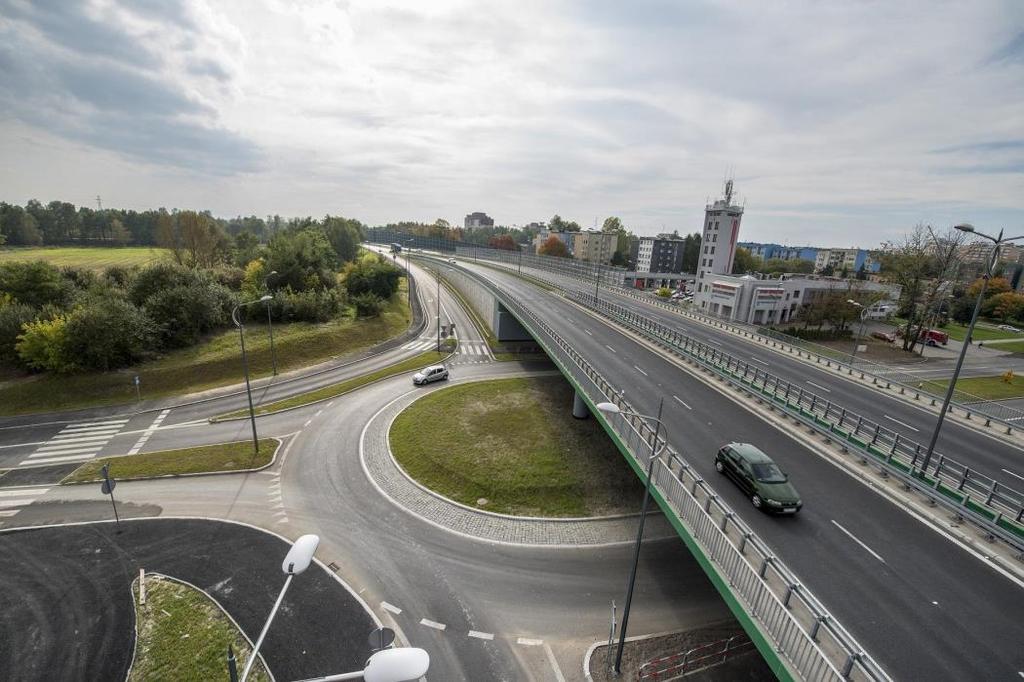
(273, 460)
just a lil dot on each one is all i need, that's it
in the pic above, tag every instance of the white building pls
(718, 243)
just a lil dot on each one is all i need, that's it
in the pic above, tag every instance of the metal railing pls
(699, 657)
(801, 632)
(996, 507)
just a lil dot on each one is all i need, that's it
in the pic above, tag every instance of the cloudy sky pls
(844, 123)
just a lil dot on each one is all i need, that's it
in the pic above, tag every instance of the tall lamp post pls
(997, 242)
(612, 408)
(245, 364)
(295, 562)
(860, 334)
(408, 272)
(270, 325)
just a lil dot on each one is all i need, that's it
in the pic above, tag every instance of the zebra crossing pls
(420, 344)
(76, 442)
(473, 348)
(13, 500)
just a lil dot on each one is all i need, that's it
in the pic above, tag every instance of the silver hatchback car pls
(430, 374)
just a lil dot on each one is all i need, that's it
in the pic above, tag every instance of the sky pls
(843, 123)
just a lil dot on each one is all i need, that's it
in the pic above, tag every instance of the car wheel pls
(719, 467)
(756, 501)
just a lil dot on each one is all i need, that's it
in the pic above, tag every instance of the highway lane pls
(882, 603)
(989, 454)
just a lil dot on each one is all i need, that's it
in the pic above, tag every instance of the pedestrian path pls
(76, 442)
(13, 500)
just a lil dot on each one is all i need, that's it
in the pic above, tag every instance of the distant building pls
(593, 246)
(478, 219)
(660, 254)
(850, 260)
(564, 237)
(778, 251)
(718, 243)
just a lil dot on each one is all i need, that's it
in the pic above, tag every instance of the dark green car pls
(759, 477)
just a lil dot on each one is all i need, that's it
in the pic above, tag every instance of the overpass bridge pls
(902, 600)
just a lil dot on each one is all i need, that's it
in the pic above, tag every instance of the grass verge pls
(981, 333)
(420, 361)
(989, 388)
(90, 257)
(210, 364)
(514, 443)
(184, 635)
(236, 456)
(1010, 347)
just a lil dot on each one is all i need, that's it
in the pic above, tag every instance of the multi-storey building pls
(718, 242)
(593, 246)
(660, 254)
(478, 219)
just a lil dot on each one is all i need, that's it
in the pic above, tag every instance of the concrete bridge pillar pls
(579, 406)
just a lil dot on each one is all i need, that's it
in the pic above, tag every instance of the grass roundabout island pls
(512, 446)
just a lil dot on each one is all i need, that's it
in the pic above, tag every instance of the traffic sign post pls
(107, 488)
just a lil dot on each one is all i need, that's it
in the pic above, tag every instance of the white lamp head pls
(397, 665)
(608, 408)
(964, 227)
(268, 297)
(300, 555)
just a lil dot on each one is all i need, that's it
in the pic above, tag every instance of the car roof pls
(432, 367)
(750, 453)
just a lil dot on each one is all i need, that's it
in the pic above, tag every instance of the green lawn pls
(514, 443)
(989, 388)
(184, 636)
(982, 332)
(237, 456)
(212, 363)
(1010, 347)
(91, 257)
(420, 361)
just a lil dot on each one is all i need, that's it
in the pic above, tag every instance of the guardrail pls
(795, 627)
(699, 657)
(994, 506)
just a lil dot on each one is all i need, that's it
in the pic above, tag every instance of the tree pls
(553, 246)
(35, 283)
(996, 286)
(304, 260)
(559, 224)
(119, 234)
(1005, 305)
(776, 266)
(247, 248)
(612, 224)
(924, 264)
(862, 272)
(182, 314)
(377, 277)
(691, 252)
(108, 333)
(43, 345)
(203, 243)
(13, 317)
(744, 261)
(504, 242)
(344, 234)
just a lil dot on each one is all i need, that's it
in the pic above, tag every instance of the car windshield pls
(768, 473)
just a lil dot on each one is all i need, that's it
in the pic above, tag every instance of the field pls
(90, 257)
(989, 388)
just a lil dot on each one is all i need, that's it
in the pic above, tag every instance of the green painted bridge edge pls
(761, 641)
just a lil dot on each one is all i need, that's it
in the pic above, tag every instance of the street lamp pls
(270, 325)
(997, 242)
(296, 561)
(612, 408)
(245, 364)
(856, 341)
(389, 665)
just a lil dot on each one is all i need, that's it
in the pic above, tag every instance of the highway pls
(988, 453)
(923, 606)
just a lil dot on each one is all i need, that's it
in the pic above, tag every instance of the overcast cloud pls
(844, 122)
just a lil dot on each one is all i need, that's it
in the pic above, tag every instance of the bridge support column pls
(579, 407)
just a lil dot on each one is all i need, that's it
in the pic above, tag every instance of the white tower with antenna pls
(718, 242)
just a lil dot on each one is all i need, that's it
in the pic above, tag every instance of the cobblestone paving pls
(489, 527)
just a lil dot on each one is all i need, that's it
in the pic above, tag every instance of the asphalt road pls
(67, 606)
(990, 455)
(920, 604)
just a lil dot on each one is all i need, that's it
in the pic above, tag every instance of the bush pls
(43, 345)
(664, 292)
(306, 306)
(157, 278)
(118, 276)
(80, 278)
(108, 334)
(36, 284)
(182, 314)
(228, 276)
(820, 334)
(13, 316)
(374, 276)
(304, 260)
(367, 304)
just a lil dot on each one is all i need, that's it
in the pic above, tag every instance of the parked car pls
(884, 336)
(430, 374)
(1009, 328)
(451, 260)
(759, 477)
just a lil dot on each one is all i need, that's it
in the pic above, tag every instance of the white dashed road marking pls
(390, 607)
(900, 423)
(433, 624)
(819, 387)
(758, 360)
(481, 635)
(639, 370)
(855, 539)
(148, 432)
(680, 401)
(525, 641)
(1013, 474)
(553, 662)
(610, 348)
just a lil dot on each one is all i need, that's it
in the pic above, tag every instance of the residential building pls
(770, 251)
(478, 219)
(850, 260)
(564, 237)
(660, 254)
(718, 243)
(593, 246)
